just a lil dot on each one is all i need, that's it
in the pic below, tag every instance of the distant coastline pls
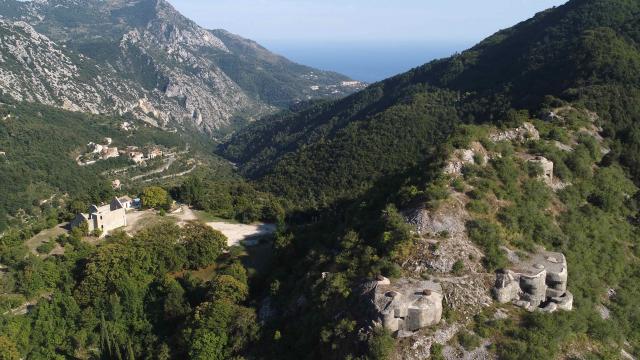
(369, 62)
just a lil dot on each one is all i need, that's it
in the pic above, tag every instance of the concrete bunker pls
(407, 305)
(540, 282)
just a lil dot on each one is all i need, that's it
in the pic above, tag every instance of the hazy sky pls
(361, 20)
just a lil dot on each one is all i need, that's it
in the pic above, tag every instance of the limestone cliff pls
(116, 56)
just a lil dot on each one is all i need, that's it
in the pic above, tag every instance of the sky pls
(365, 39)
(361, 20)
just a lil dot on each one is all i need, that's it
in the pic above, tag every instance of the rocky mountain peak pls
(113, 55)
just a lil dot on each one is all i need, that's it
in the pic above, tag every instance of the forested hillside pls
(40, 144)
(352, 170)
(583, 52)
(434, 174)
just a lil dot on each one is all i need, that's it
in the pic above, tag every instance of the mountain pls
(145, 58)
(583, 52)
(434, 174)
(439, 177)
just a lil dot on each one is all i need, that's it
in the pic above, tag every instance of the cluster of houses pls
(104, 151)
(139, 156)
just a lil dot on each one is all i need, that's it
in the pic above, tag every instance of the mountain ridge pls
(175, 70)
(523, 68)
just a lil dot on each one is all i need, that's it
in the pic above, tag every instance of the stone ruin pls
(407, 305)
(538, 283)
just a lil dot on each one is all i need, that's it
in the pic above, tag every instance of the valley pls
(173, 192)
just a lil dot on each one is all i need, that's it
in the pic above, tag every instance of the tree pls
(381, 344)
(207, 345)
(225, 287)
(206, 335)
(8, 350)
(203, 244)
(155, 197)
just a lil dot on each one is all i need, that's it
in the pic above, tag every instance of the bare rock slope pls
(143, 57)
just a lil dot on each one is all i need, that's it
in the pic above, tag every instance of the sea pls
(364, 61)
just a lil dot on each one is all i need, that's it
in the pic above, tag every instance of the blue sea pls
(369, 62)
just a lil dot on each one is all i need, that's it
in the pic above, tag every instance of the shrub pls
(469, 341)
(46, 247)
(381, 344)
(478, 206)
(436, 352)
(489, 237)
(458, 267)
(458, 185)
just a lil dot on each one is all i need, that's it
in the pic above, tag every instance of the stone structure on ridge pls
(540, 282)
(407, 305)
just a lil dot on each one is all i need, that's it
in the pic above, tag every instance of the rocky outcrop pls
(34, 68)
(461, 157)
(523, 133)
(546, 167)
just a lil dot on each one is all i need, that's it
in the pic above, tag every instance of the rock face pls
(547, 169)
(408, 305)
(34, 68)
(539, 282)
(476, 154)
(143, 57)
(526, 132)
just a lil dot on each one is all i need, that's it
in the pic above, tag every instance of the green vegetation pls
(46, 247)
(381, 345)
(41, 144)
(8, 350)
(155, 197)
(343, 150)
(344, 171)
(234, 199)
(124, 299)
(468, 341)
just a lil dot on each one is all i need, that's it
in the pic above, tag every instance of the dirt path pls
(25, 307)
(235, 233)
(184, 215)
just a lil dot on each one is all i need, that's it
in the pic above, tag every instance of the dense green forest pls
(345, 167)
(229, 199)
(131, 298)
(337, 176)
(584, 52)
